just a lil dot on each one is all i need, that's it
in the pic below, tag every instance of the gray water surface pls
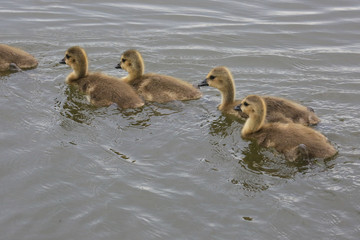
(178, 170)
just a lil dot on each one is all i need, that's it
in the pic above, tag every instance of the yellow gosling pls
(151, 86)
(13, 59)
(295, 141)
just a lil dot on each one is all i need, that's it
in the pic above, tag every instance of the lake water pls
(178, 170)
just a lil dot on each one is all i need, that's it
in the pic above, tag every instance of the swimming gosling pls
(14, 59)
(154, 87)
(278, 109)
(101, 90)
(295, 141)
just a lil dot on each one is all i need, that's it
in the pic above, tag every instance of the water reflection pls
(142, 117)
(271, 162)
(223, 125)
(257, 169)
(74, 107)
(5, 73)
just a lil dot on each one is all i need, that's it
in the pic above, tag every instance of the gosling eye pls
(123, 60)
(212, 77)
(246, 104)
(67, 56)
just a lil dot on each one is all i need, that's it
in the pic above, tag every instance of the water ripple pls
(72, 171)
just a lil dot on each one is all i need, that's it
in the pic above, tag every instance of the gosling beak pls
(118, 66)
(238, 108)
(203, 83)
(62, 61)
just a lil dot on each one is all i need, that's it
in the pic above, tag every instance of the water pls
(178, 170)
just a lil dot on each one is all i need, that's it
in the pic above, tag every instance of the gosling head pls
(76, 58)
(252, 105)
(132, 62)
(220, 78)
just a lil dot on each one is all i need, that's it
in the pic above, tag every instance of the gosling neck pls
(134, 73)
(227, 95)
(255, 121)
(79, 71)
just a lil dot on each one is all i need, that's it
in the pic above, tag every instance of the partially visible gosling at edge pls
(278, 109)
(295, 141)
(101, 90)
(154, 87)
(15, 59)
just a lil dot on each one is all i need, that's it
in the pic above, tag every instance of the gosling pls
(295, 141)
(101, 90)
(278, 109)
(154, 87)
(15, 59)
